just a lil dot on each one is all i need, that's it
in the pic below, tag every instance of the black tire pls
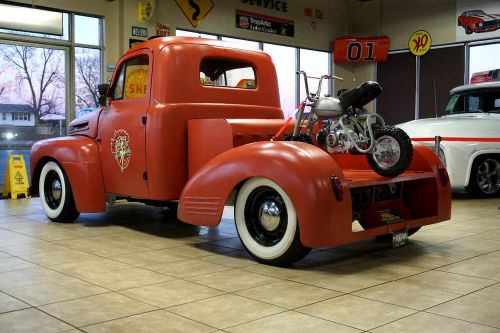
(267, 223)
(56, 194)
(468, 30)
(484, 180)
(386, 237)
(397, 154)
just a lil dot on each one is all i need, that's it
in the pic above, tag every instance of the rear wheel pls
(56, 195)
(392, 153)
(267, 223)
(484, 178)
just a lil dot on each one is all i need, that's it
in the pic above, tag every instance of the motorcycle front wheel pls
(392, 153)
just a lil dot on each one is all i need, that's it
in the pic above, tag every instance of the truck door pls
(122, 136)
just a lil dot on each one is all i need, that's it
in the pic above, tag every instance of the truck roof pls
(160, 42)
(476, 87)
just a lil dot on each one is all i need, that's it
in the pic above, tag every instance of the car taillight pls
(445, 179)
(338, 189)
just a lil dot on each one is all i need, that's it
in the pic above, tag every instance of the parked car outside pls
(470, 137)
(478, 21)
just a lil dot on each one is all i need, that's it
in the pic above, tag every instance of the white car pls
(470, 137)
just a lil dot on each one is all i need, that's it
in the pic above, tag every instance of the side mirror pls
(103, 93)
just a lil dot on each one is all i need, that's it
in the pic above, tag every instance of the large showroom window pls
(485, 58)
(287, 61)
(47, 80)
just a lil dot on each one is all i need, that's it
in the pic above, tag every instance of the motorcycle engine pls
(338, 142)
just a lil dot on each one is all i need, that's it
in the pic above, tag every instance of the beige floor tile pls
(31, 320)
(149, 241)
(149, 258)
(426, 322)
(277, 272)
(473, 309)
(479, 266)
(95, 309)
(200, 250)
(491, 292)
(28, 276)
(291, 322)
(187, 268)
(171, 293)
(288, 294)
(234, 259)
(102, 246)
(53, 290)
(8, 303)
(384, 269)
(89, 268)
(156, 321)
(14, 264)
(225, 311)
(470, 246)
(126, 278)
(232, 242)
(424, 257)
(450, 282)
(341, 281)
(232, 280)
(356, 312)
(57, 257)
(407, 294)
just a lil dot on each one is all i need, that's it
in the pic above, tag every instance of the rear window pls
(227, 73)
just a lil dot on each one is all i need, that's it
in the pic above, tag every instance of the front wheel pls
(392, 153)
(56, 195)
(267, 223)
(484, 177)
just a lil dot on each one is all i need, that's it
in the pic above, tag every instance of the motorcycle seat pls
(361, 95)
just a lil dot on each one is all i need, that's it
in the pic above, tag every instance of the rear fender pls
(79, 158)
(302, 170)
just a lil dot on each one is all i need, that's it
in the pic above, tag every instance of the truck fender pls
(487, 151)
(302, 170)
(78, 156)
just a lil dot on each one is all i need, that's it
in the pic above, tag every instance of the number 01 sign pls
(360, 49)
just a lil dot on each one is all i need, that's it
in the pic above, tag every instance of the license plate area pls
(400, 238)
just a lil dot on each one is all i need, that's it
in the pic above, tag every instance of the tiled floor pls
(136, 269)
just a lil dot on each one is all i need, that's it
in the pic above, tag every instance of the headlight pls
(480, 24)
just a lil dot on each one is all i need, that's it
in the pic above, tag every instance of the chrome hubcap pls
(56, 189)
(269, 215)
(488, 176)
(387, 152)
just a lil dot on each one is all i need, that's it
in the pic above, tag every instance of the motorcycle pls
(346, 127)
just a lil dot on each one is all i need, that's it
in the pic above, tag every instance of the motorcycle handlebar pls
(328, 77)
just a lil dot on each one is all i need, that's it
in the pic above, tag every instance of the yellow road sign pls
(195, 10)
(16, 178)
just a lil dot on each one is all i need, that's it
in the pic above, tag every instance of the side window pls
(227, 73)
(132, 79)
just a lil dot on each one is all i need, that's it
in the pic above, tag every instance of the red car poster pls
(478, 19)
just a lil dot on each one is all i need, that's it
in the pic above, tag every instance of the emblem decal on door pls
(120, 148)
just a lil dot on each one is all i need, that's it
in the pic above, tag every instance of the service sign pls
(360, 49)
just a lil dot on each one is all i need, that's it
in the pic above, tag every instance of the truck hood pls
(86, 125)
(471, 125)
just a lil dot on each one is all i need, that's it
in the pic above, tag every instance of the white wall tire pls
(55, 194)
(266, 222)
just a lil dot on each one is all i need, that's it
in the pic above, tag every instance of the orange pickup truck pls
(188, 123)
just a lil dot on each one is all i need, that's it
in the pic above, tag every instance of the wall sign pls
(419, 43)
(162, 29)
(263, 23)
(281, 6)
(477, 19)
(139, 31)
(360, 49)
(195, 11)
(145, 10)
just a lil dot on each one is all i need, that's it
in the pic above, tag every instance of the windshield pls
(474, 102)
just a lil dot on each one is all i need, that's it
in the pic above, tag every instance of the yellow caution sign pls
(195, 10)
(16, 177)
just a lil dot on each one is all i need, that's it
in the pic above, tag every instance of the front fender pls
(302, 170)
(79, 158)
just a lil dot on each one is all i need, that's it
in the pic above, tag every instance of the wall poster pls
(478, 19)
